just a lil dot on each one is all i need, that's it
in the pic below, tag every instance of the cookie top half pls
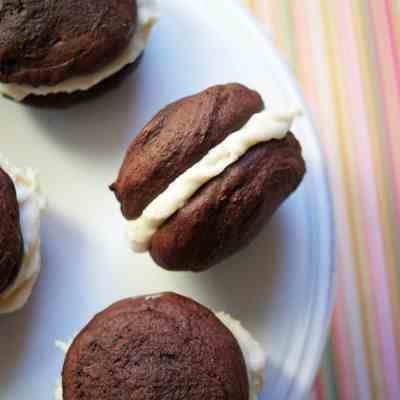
(178, 137)
(156, 347)
(43, 42)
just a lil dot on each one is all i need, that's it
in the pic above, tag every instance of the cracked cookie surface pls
(156, 347)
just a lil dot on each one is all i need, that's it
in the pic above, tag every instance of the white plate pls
(280, 286)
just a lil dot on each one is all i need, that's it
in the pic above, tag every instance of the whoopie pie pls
(53, 46)
(205, 174)
(159, 347)
(21, 206)
(11, 240)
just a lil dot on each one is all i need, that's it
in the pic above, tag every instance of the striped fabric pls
(346, 54)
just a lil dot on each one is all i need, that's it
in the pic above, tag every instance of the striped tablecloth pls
(346, 55)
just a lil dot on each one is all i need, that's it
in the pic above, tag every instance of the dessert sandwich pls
(64, 46)
(21, 206)
(162, 346)
(204, 176)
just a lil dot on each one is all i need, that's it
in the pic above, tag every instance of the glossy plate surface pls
(280, 286)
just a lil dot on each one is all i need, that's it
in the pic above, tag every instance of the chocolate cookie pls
(226, 212)
(43, 42)
(156, 347)
(11, 242)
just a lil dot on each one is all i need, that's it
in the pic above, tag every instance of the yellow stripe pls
(250, 3)
(362, 292)
(382, 178)
(395, 13)
(279, 23)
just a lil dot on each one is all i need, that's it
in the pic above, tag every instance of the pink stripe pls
(318, 392)
(392, 41)
(369, 217)
(394, 121)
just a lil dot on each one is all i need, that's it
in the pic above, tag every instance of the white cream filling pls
(261, 127)
(31, 204)
(147, 16)
(253, 353)
(254, 356)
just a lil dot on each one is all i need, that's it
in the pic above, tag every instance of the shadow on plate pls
(93, 123)
(245, 282)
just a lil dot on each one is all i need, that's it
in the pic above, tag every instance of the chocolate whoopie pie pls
(225, 211)
(156, 347)
(11, 241)
(46, 43)
(21, 207)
